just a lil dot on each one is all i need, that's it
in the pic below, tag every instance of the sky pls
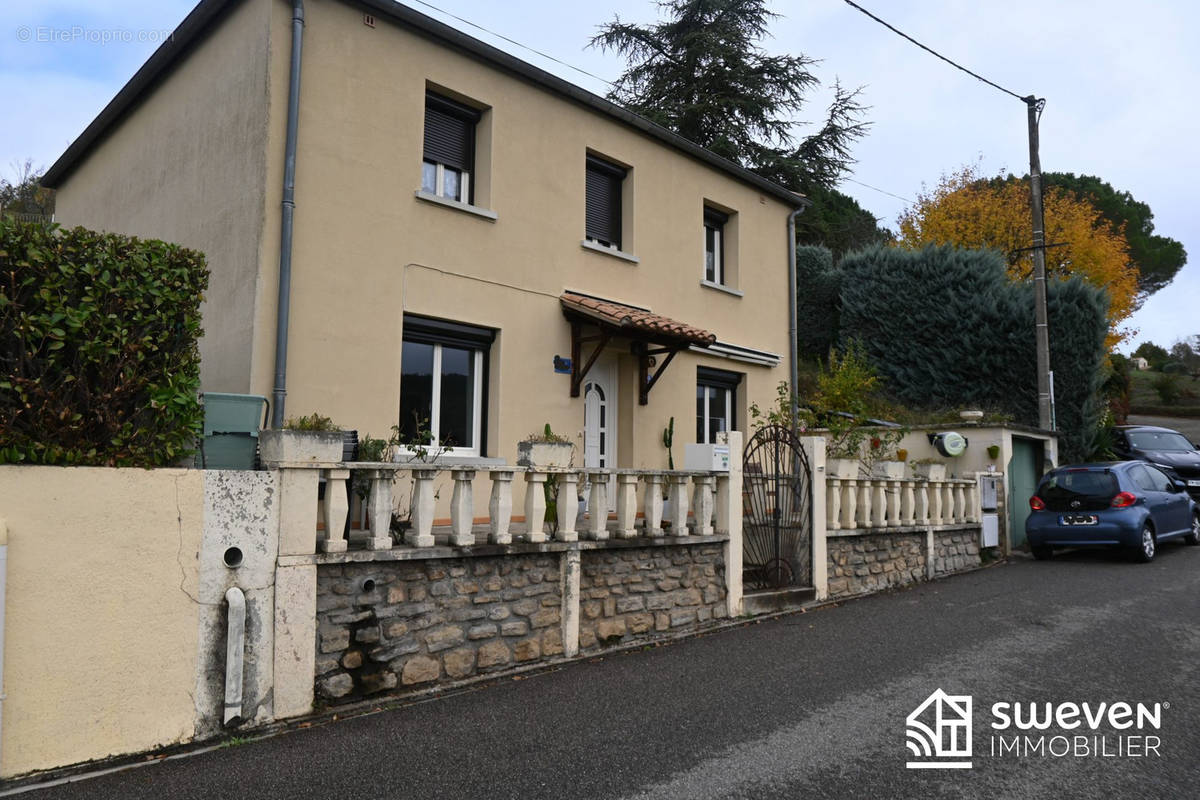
(1119, 80)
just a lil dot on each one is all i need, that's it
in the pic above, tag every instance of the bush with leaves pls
(818, 285)
(947, 327)
(99, 362)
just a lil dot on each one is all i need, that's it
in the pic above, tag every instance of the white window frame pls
(435, 412)
(718, 254)
(439, 182)
(708, 399)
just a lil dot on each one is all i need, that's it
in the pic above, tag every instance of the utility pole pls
(1034, 107)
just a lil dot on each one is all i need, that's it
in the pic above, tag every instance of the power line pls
(515, 42)
(881, 191)
(934, 52)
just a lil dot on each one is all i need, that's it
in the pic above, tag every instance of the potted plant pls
(882, 459)
(929, 469)
(993, 451)
(545, 449)
(310, 438)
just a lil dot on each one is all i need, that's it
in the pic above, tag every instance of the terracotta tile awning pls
(635, 322)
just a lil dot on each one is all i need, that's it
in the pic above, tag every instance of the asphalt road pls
(803, 706)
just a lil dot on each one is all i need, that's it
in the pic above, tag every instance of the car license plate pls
(1193, 482)
(1078, 519)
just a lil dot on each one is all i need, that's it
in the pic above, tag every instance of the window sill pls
(609, 251)
(485, 213)
(722, 288)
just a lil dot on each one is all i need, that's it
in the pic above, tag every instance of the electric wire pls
(881, 191)
(931, 51)
(515, 42)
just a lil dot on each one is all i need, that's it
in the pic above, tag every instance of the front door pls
(1023, 477)
(600, 419)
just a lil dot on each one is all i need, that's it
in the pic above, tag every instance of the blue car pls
(1129, 504)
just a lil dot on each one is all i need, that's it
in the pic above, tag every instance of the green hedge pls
(818, 285)
(99, 363)
(946, 327)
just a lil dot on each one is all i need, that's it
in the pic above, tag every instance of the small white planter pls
(544, 454)
(930, 472)
(300, 446)
(845, 468)
(888, 470)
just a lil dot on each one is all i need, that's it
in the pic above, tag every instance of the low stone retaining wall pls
(628, 595)
(862, 561)
(392, 624)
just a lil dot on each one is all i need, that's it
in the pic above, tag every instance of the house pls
(1140, 364)
(473, 245)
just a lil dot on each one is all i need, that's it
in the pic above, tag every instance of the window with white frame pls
(714, 245)
(716, 403)
(443, 384)
(449, 154)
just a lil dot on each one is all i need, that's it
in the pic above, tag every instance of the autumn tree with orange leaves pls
(967, 210)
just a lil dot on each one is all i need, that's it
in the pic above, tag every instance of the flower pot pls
(845, 468)
(544, 454)
(993, 451)
(300, 446)
(930, 472)
(888, 470)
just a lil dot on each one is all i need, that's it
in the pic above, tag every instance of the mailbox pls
(706, 457)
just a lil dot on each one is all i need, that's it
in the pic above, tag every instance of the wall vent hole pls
(369, 585)
(233, 557)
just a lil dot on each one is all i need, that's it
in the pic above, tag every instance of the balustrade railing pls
(862, 503)
(705, 494)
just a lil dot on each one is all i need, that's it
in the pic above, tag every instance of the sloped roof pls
(635, 320)
(203, 18)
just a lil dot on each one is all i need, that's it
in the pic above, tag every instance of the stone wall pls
(871, 562)
(954, 551)
(387, 625)
(640, 593)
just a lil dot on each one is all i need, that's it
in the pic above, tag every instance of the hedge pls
(99, 362)
(946, 327)
(818, 285)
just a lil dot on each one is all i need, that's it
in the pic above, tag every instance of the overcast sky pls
(1119, 78)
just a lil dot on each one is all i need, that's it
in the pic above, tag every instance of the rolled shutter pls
(450, 133)
(604, 201)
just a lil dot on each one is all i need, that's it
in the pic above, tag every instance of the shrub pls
(99, 363)
(946, 327)
(818, 285)
(1169, 388)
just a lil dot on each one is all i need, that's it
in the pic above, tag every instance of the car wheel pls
(1193, 538)
(1148, 547)
(1041, 551)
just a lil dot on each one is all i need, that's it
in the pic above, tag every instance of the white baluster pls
(864, 504)
(379, 510)
(922, 507)
(679, 503)
(500, 507)
(336, 509)
(908, 504)
(973, 502)
(960, 503)
(598, 505)
(535, 506)
(652, 503)
(833, 503)
(702, 505)
(462, 508)
(850, 504)
(879, 504)
(422, 509)
(626, 506)
(568, 507)
(893, 504)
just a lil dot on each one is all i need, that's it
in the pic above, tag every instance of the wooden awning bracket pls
(646, 381)
(578, 373)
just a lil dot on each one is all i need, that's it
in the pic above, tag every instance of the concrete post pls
(535, 506)
(679, 504)
(422, 509)
(702, 505)
(570, 602)
(814, 448)
(298, 511)
(598, 506)
(379, 510)
(729, 521)
(337, 507)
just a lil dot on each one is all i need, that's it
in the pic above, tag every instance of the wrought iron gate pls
(777, 511)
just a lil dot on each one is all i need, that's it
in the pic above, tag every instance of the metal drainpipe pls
(288, 211)
(235, 655)
(793, 350)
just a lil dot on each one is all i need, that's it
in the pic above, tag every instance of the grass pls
(1145, 400)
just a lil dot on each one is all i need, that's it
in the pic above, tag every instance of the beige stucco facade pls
(100, 612)
(367, 250)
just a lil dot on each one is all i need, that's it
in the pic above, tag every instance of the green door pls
(1024, 470)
